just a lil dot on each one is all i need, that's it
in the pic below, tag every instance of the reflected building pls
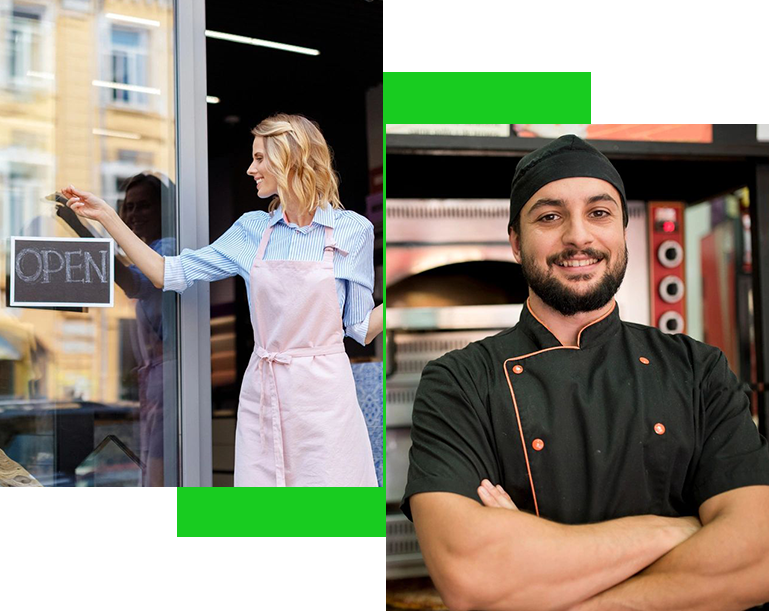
(87, 98)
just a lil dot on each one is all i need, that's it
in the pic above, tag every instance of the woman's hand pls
(495, 496)
(86, 204)
(89, 206)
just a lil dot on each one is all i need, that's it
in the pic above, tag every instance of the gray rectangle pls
(62, 272)
(194, 304)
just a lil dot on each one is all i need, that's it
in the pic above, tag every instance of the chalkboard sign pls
(62, 272)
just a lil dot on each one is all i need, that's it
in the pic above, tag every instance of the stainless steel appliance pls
(451, 278)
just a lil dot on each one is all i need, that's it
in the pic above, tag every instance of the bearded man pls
(577, 461)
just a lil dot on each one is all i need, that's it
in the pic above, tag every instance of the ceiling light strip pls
(258, 42)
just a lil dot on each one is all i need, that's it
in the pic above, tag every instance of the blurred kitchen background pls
(695, 226)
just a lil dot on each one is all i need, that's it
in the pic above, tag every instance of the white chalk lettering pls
(20, 255)
(89, 263)
(47, 271)
(69, 266)
(45, 261)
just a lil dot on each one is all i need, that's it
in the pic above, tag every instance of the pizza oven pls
(451, 280)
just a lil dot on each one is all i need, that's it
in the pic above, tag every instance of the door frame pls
(193, 310)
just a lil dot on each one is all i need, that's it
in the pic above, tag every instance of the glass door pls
(89, 396)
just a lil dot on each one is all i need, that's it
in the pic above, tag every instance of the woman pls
(141, 211)
(309, 272)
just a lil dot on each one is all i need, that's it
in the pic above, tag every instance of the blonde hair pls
(298, 155)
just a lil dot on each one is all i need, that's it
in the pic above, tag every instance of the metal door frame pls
(194, 315)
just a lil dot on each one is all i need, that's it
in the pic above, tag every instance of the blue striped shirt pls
(234, 252)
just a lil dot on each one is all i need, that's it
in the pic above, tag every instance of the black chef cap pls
(566, 157)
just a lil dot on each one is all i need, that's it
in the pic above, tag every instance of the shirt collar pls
(592, 334)
(323, 216)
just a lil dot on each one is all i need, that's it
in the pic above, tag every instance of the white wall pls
(696, 226)
(633, 295)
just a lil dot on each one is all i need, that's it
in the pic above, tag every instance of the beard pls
(557, 293)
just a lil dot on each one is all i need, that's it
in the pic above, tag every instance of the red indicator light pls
(668, 226)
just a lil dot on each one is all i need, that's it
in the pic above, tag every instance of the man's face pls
(572, 244)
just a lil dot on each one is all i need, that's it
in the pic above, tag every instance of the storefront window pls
(88, 396)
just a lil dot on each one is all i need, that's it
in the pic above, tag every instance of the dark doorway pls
(253, 82)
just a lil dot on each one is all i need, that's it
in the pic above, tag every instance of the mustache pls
(591, 253)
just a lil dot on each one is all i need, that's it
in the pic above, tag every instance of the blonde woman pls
(308, 267)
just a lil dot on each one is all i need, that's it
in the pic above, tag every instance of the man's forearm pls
(722, 567)
(513, 560)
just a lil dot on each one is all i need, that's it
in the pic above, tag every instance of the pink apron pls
(299, 423)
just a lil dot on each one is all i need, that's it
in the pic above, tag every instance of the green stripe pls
(469, 97)
(280, 515)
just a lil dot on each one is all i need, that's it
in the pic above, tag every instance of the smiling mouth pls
(577, 263)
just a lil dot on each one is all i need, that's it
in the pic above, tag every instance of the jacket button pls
(659, 428)
(517, 369)
(644, 360)
(537, 444)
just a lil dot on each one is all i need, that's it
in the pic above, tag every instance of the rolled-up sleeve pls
(359, 300)
(213, 262)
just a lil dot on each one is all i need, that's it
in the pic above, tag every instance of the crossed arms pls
(492, 557)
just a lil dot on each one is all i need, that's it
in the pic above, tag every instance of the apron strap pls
(263, 242)
(331, 246)
(268, 360)
(328, 247)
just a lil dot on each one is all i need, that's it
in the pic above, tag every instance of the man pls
(576, 461)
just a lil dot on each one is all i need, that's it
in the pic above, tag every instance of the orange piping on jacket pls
(595, 321)
(512, 393)
(531, 310)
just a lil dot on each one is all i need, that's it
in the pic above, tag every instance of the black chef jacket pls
(631, 421)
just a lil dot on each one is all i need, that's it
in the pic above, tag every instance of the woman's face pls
(266, 182)
(141, 211)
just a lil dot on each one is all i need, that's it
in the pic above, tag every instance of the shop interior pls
(696, 241)
(341, 89)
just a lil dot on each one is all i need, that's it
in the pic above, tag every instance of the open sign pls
(62, 272)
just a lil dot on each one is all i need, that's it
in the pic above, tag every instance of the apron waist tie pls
(283, 358)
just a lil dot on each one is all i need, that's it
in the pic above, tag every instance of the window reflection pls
(88, 396)
(129, 64)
